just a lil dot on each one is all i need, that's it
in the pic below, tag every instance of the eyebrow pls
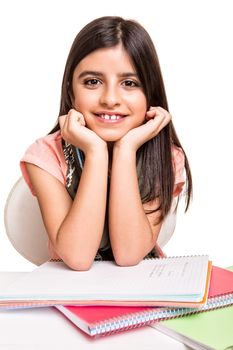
(99, 74)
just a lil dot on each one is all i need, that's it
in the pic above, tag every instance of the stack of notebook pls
(207, 330)
(102, 320)
(109, 299)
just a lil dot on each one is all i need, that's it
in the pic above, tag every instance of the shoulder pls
(178, 159)
(46, 147)
(50, 142)
(177, 154)
(46, 153)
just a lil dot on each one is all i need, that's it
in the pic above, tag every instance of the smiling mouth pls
(110, 117)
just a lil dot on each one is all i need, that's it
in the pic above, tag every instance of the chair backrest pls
(24, 225)
(26, 231)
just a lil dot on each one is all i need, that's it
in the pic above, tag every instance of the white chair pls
(26, 231)
(24, 225)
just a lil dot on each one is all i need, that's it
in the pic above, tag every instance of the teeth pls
(110, 117)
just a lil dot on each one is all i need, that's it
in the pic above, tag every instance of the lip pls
(110, 121)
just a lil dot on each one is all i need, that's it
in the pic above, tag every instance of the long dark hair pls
(154, 158)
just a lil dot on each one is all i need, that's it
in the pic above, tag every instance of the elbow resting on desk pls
(86, 264)
(81, 259)
(126, 259)
(76, 260)
(78, 265)
(127, 262)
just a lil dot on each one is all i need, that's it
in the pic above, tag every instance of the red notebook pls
(104, 320)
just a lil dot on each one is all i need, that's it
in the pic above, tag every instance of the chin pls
(111, 136)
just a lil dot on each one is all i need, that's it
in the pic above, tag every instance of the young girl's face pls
(107, 91)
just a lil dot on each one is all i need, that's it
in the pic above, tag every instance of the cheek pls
(138, 101)
(140, 107)
(82, 101)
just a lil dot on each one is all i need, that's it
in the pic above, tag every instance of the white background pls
(194, 44)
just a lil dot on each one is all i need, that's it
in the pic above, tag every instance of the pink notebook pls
(105, 320)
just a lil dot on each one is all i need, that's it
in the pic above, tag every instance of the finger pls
(159, 113)
(162, 119)
(168, 115)
(156, 110)
(152, 108)
(82, 120)
(156, 124)
(63, 119)
(75, 116)
(160, 122)
(152, 112)
(69, 121)
(163, 111)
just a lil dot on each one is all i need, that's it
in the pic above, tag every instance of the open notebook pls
(105, 320)
(174, 281)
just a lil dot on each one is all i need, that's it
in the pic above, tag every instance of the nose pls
(110, 97)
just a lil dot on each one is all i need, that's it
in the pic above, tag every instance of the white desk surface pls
(46, 328)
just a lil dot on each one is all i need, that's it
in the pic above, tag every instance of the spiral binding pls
(56, 260)
(140, 319)
(178, 256)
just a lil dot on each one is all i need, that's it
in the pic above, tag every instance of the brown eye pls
(92, 82)
(130, 83)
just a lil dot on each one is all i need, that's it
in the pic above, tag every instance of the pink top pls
(47, 153)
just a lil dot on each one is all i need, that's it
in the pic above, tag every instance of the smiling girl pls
(107, 174)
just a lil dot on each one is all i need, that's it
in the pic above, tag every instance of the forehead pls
(110, 59)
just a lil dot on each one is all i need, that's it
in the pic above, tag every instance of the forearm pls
(130, 232)
(80, 233)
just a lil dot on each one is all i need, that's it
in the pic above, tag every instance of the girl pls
(106, 175)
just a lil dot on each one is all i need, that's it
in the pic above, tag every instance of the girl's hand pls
(157, 118)
(74, 131)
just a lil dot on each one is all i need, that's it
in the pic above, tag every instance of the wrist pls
(97, 152)
(123, 149)
(125, 145)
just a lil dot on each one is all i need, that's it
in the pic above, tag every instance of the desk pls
(46, 328)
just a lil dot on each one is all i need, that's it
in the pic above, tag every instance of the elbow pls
(78, 264)
(125, 260)
(75, 259)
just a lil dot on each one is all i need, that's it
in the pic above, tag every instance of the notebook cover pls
(207, 330)
(86, 317)
(221, 282)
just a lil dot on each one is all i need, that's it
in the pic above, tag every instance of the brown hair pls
(156, 173)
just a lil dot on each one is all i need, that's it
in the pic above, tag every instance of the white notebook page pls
(177, 278)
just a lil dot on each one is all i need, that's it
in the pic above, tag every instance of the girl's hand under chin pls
(74, 131)
(156, 119)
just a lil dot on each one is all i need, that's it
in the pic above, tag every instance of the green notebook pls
(208, 330)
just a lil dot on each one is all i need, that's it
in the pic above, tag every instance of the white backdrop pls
(194, 43)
